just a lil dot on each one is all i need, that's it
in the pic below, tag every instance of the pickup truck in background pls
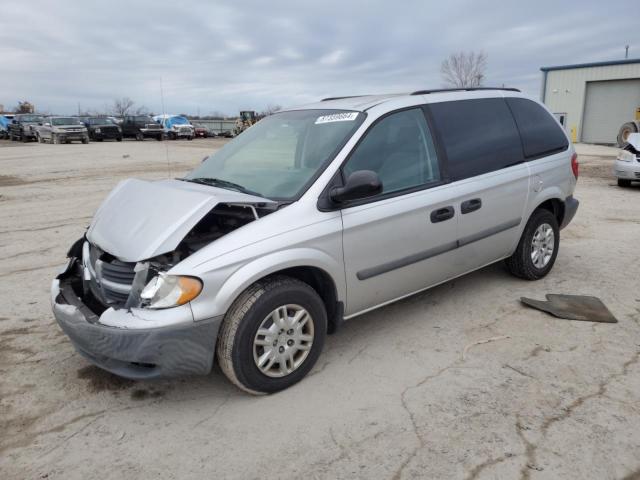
(24, 126)
(141, 127)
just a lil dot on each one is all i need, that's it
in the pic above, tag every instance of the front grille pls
(153, 126)
(110, 279)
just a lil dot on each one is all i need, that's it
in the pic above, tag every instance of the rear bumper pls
(570, 208)
(136, 353)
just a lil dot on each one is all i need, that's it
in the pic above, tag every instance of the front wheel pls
(538, 247)
(624, 183)
(54, 139)
(272, 335)
(139, 136)
(119, 139)
(85, 140)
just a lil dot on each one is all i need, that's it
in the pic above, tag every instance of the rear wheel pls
(625, 130)
(624, 183)
(272, 335)
(538, 247)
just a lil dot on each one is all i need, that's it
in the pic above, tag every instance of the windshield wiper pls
(217, 182)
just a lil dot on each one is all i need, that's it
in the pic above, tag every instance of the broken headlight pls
(164, 291)
(626, 156)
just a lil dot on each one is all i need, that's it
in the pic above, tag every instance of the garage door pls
(607, 106)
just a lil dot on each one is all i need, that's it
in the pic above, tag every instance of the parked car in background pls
(627, 164)
(176, 126)
(62, 130)
(201, 131)
(102, 128)
(141, 127)
(4, 127)
(23, 127)
(314, 215)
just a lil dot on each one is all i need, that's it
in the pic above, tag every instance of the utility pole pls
(626, 51)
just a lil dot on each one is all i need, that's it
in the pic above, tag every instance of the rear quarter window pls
(478, 135)
(541, 134)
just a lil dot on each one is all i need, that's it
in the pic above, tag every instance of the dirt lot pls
(394, 394)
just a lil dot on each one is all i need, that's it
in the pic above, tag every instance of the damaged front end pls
(115, 298)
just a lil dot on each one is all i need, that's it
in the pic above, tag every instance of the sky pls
(203, 56)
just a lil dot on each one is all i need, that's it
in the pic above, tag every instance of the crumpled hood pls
(141, 219)
(634, 140)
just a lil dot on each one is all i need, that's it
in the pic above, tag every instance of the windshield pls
(64, 121)
(144, 119)
(178, 121)
(282, 153)
(100, 121)
(31, 118)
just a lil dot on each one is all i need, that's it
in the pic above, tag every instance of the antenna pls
(166, 145)
(626, 51)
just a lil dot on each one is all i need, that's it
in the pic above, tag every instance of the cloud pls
(227, 56)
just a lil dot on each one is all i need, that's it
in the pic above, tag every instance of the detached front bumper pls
(136, 353)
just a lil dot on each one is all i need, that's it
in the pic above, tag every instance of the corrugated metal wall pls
(566, 90)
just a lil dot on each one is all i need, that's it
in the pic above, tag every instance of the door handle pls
(442, 214)
(470, 205)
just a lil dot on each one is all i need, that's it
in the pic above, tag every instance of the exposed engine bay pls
(102, 280)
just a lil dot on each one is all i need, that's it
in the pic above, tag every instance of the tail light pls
(575, 165)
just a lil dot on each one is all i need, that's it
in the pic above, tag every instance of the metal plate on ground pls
(573, 307)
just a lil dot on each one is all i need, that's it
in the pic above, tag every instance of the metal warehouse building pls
(593, 100)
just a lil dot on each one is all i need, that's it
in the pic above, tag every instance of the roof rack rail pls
(340, 98)
(463, 89)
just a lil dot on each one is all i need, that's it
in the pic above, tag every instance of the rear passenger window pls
(540, 133)
(399, 148)
(479, 136)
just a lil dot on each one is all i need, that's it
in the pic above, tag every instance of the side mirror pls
(360, 184)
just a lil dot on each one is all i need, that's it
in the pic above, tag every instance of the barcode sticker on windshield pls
(337, 117)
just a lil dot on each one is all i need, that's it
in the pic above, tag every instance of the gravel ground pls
(457, 382)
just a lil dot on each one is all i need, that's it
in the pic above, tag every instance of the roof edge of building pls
(591, 64)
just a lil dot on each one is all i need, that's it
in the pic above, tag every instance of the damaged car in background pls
(627, 164)
(312, 216)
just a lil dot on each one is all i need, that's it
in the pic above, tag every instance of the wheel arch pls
(317, 269)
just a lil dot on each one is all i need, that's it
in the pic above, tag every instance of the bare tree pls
(270, 110)
(24, 107)
(121, 106)
(464, 69)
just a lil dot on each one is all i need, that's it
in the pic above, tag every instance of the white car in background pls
(627, 165)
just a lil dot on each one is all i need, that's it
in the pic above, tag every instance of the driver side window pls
(400, 149)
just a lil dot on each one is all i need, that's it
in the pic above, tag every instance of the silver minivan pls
(313, 216)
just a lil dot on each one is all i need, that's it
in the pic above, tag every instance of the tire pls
(172, 136)
(24, 138)
(85, 140)
(624, 183)
(236, 351)
(625, 130)
(139, 137)
(189, 138)
(159, 138)
(119, 139)
(54, 139)
(521, 263)
(39, 138)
